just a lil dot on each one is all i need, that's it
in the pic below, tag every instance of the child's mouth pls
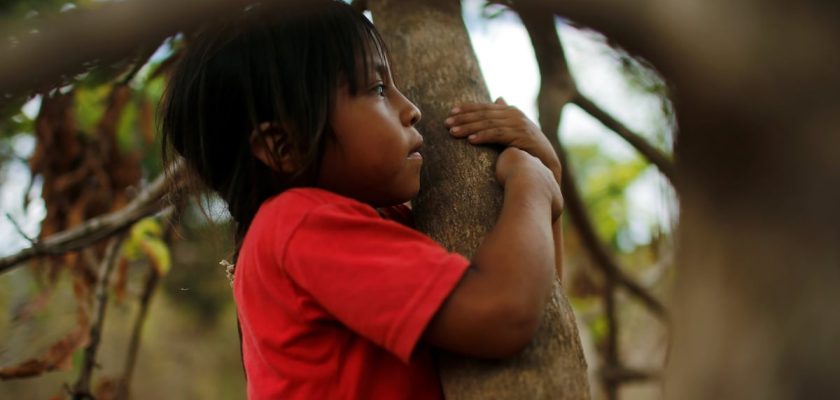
(414, 153)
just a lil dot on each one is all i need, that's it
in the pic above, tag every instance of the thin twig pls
(556, 90)
(20, 231)
(598, 250)
(654, 155)
(95, 229)
(81, 390)
(124, 385)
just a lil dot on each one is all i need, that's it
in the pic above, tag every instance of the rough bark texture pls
(435, 66)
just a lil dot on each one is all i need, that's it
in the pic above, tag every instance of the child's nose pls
(414, 114)
(410, 114)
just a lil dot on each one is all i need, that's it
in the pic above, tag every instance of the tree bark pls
(434, 64)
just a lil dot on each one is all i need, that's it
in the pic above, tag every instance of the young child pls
(291, 115)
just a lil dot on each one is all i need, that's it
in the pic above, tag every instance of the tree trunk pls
(435, 66)
(758, 170)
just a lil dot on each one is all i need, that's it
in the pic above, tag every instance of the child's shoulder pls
(305, 200)
(280, 216)
(308, 195)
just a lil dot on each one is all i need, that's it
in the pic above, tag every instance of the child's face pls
(373, 157)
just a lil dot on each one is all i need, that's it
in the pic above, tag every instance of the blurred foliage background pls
(87, 146)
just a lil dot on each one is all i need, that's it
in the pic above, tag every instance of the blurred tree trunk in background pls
(759, 152)
(757, 93)
(435, 65)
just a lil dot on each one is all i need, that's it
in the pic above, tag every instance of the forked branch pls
(557, 90)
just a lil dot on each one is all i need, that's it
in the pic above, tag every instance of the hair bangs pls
(359, 48)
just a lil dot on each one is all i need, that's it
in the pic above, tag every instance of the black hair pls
(280, 63)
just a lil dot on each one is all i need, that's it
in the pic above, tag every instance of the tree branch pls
(19, 230)
(654, 155)
(95, 229)
(556, 90)
(555, 74)
(630, 23)
(81, 390)
(598, 250)
(65, 43)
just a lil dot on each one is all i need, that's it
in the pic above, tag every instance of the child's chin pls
(407, 193)
(414, 192)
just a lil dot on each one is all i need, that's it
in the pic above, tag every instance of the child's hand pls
(502, 124)
(532, 175)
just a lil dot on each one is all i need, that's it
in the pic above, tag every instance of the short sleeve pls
(381, 279)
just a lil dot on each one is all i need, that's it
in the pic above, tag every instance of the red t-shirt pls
(332, 298)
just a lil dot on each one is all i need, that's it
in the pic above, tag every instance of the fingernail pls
(456, 110)
(471, 137)
(448, 121)
(455, 129)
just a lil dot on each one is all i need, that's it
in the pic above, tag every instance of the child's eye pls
(379, 89)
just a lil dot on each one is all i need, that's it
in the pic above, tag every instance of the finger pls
(501, 101)
(462, 108)
(499, 135)
(475, 116)
(478, 126)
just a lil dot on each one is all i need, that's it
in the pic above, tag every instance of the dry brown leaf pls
(58, 356)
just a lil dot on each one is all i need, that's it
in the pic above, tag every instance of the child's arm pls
(502, 124)
(495, 309)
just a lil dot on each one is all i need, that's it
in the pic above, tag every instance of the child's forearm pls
(496, 308)
(517, 256)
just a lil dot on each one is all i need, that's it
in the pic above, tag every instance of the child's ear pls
(270, 144)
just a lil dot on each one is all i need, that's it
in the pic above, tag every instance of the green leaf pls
(78, 357)
(90, 105)
(127, 136)
(158, 254)
(145, 241)
(146, 227)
